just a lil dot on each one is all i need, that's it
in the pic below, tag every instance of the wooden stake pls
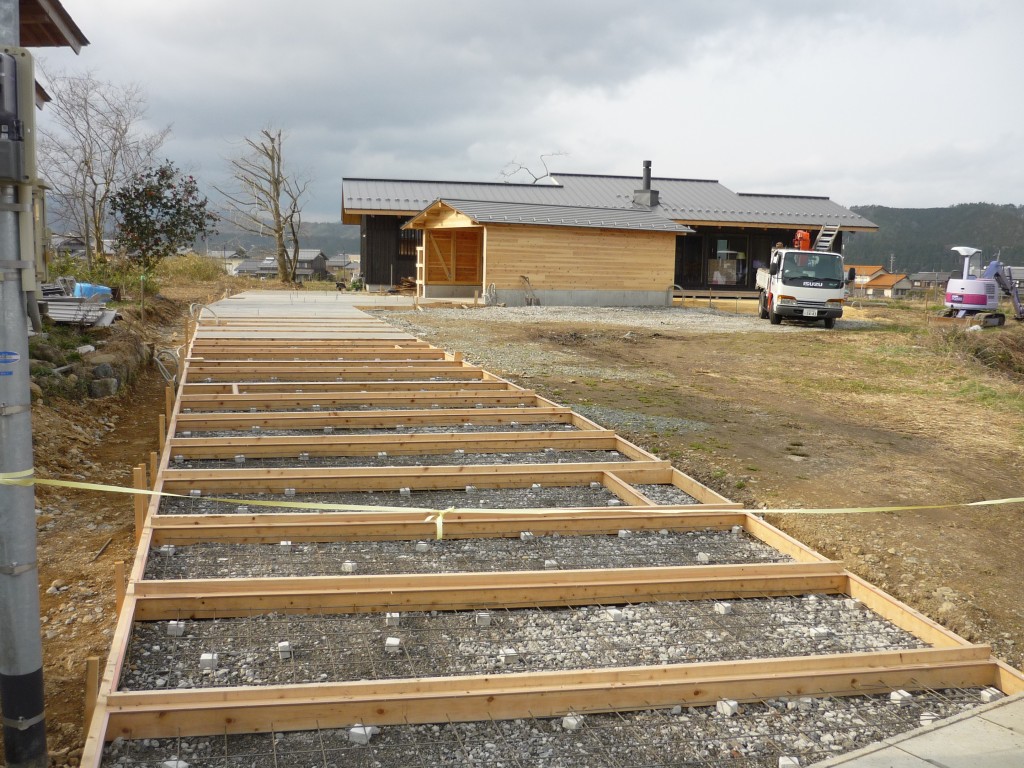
(139, 482)
(169, 401)
(119, 585)
(154, 463)
(162, 430)
(92, 688)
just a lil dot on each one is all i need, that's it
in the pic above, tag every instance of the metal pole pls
(21, 650)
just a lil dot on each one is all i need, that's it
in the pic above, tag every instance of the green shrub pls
(192, 267)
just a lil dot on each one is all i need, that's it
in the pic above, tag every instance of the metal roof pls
(489, 212)
(691, 201)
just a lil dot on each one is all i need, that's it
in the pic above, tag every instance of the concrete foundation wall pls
(581, 298)
(449, 291)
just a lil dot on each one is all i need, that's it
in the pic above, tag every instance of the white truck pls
(802, 285)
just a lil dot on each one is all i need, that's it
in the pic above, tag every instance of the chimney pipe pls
(646, 196)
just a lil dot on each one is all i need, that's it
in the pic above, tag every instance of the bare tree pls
(514, 168)
(92, 140)
(267, 199)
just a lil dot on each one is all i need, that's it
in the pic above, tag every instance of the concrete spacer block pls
(727, 707)
(392, 619)
(393, 645)
(625, 534)
(195, 493)
(851, 604)
(483, 618)
(615, 614)
(174, 762)
(239, 458)
(572, 722)
(470, 489)
(550, 565)
(789, 762)
(208, 661)
(422, 546)
(703, 557)
(536, 487)
(991, 694)
(284, 650)
(614, 502)
(242, 509)
(596, 486)
(175, 628)
(255, 428)
(737, 530)
(328, 430)
(314, 407)
(361, 734)
(723, 608)
(663, 532)
(349, 566)
(509, 656)
(286, 546)
(304, 456)
(289, 492)
(459, 452)
(526, 536)
(900, 698)
(186, 433)
(928, 718)
(178, 458)
(405, 491)
(167, 550)
(676, 710)
(382, 454)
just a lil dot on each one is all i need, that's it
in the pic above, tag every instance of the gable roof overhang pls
(47, 24)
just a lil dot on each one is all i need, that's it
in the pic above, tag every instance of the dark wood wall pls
(387, 251)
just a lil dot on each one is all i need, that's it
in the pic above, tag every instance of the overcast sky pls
(914, 103)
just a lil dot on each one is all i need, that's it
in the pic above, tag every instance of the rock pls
(103, 371)
(103, 387)
(35, 390)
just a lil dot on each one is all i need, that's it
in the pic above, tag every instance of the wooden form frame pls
(214, 369)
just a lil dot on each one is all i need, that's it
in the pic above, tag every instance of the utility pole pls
(21, 650)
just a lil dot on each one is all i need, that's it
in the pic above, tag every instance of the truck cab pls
(802, 285)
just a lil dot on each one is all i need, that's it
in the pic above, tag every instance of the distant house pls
(710, 239)
(312, 265)
(926, 281)
(344, 266)
(228, 258)
(264, 269)
(889, 286)
(864, 274)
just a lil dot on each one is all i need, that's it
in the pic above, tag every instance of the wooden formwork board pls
(316, 345)
(252, 372)
(404, 444)
(376, 354)
(287, 387)
(218, 711)
(223, 598)
(466, 398)
(372, 419)
(327, 479)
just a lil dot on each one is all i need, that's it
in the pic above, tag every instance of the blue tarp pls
(88, 290)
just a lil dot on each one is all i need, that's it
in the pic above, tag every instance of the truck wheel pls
(830, 322)
(774, 317)
(762, 307)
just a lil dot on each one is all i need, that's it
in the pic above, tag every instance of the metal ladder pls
(825, 238)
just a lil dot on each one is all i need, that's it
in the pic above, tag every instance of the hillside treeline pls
(920, 238)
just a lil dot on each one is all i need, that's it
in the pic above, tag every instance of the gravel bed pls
(699, 737)
(340, 647)
(641, 549)
(438, 429)
(553, 456)
(665, 494)
(549, 497)
(631, 421)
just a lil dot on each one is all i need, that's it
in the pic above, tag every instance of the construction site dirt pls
(863, 416)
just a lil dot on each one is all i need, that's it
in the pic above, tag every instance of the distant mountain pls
(331, 237)
(919, 239)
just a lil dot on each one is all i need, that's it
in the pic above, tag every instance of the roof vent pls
(646, 196)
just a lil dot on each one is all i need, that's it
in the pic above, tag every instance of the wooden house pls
(889, 286)
(724, 237)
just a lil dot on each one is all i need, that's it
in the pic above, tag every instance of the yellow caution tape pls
(27, 478)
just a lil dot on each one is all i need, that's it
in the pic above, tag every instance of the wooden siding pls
(454, 256)
(568, 258)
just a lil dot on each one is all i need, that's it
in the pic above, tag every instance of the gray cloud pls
(902, 104)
